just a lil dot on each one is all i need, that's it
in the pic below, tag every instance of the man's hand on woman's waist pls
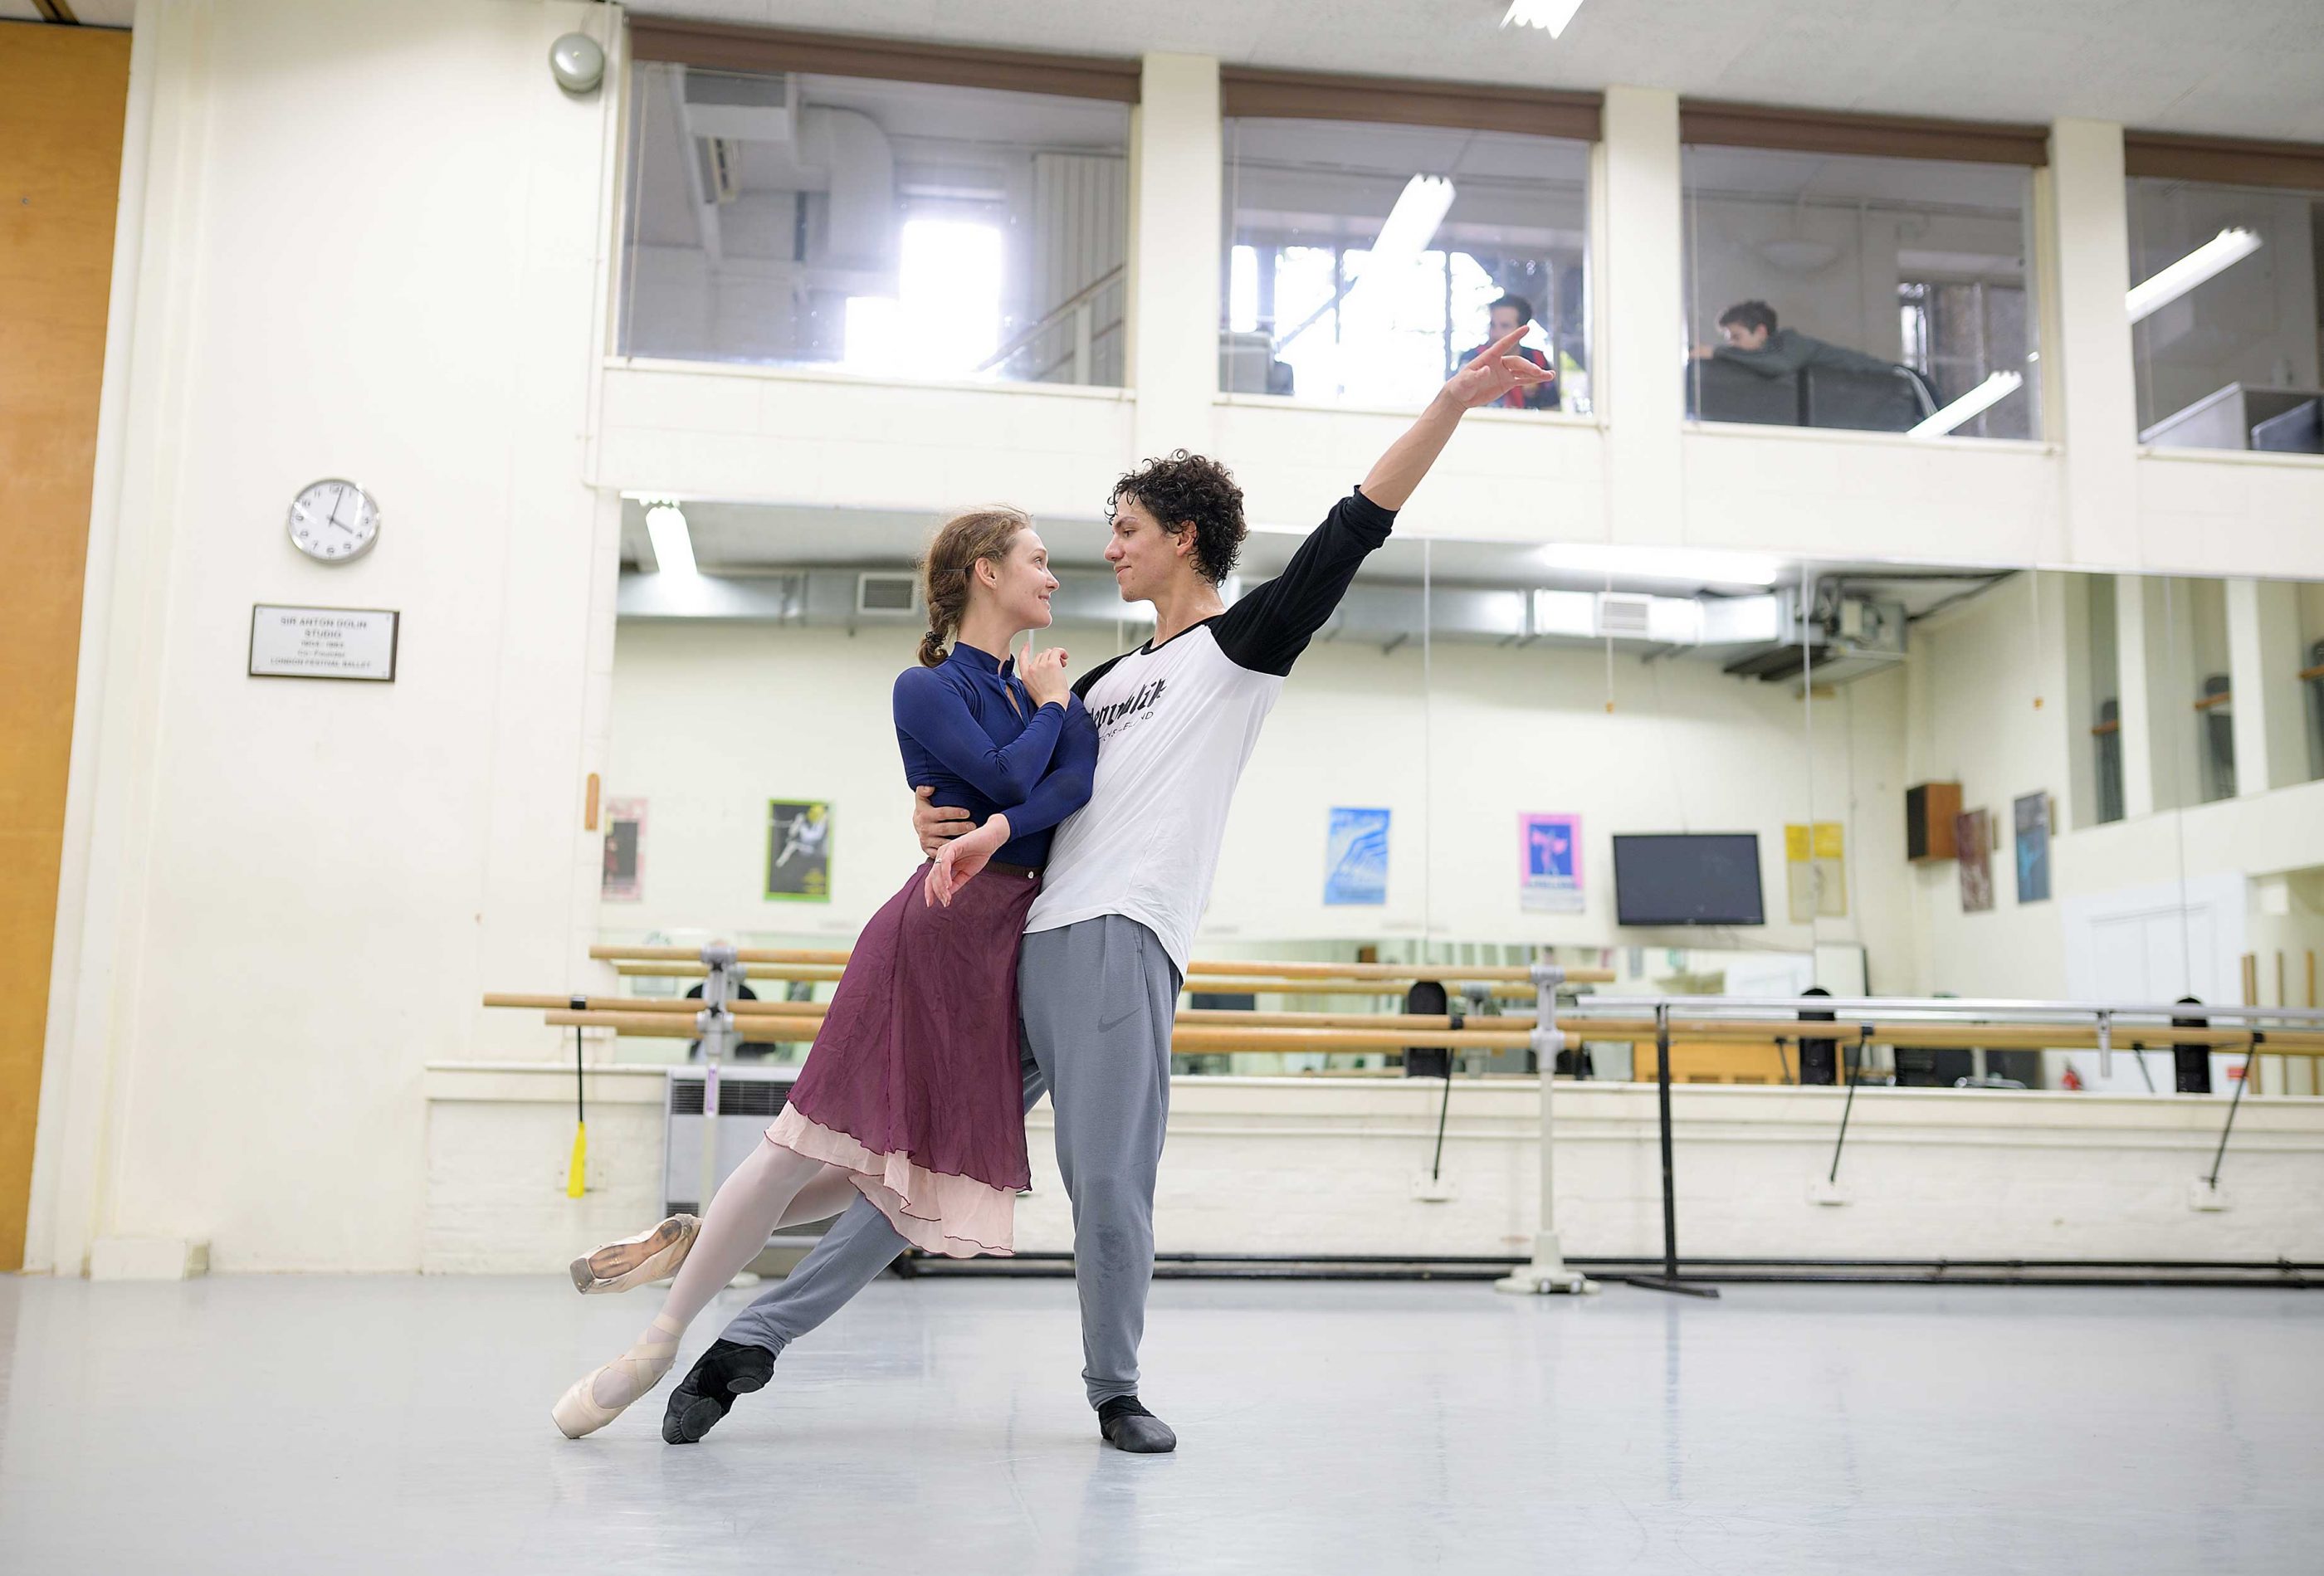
(937, 825)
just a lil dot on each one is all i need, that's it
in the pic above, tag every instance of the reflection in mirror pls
(1943, 780)
(1366, 263)
(1890, 295)
(2225, 315)
(908, 229)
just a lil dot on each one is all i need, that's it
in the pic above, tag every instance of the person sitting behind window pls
(1754, 340)
(1507, 316)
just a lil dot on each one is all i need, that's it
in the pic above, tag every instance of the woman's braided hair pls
(951, 561)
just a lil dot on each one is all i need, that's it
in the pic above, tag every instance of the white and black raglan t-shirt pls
(1175, 722)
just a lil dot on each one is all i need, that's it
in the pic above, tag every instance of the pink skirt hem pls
(958, 1217)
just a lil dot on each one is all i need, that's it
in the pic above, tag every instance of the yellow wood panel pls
(63, 91)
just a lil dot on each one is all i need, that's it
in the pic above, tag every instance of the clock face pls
(333, 521)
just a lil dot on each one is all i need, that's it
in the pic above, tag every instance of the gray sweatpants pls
(1097, 998)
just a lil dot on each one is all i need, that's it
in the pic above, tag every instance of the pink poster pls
(1549, 863)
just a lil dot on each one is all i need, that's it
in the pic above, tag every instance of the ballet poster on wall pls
(2033, 814)
(1549, 860)
(1973, 832)
(625, 836)
(1355, 859)
(1816, 870)
(799, 851)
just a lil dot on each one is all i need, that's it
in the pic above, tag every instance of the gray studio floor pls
(356, 1425)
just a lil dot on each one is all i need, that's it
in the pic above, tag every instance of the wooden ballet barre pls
(1512, 973)
(1235, 969)
(1257, 985)
(670, 1025)
(1916, 1034)
(673, 1005)
(693, 954)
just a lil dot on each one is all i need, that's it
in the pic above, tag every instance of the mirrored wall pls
(1709, 773)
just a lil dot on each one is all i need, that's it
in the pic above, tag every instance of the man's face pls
(1743, 339)
(1505, 322)
(1145, 557)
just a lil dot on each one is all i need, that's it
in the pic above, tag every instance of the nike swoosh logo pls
(1106, 1026)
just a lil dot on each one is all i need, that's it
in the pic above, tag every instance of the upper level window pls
(2225, 323)
(907, 229)
(1366, 261)
(1852, 290)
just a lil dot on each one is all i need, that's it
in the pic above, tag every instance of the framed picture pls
(626, 833)
(1355, 858)
(799, 851)
(2033, 816)
(1549, 864)
(1815, 868)
(1973, 832)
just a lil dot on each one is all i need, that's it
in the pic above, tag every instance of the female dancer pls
(911, 1094)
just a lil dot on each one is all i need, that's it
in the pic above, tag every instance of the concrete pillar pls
(1174, 246)
(2264, 663)
(2089, 368)
(2150, 698)
(1641, 380)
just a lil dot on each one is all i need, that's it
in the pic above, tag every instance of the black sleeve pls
(1268, 629)
(1082, 685)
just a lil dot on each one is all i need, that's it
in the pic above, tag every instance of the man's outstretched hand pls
(1495, 372)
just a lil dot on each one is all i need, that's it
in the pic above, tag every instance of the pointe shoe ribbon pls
(577, 1411)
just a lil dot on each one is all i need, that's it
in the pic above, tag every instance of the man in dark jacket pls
(1509, 315)
(1754, 340)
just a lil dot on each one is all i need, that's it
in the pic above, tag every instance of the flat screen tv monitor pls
(1702, 878)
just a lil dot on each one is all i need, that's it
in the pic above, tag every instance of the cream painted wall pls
(710, 721)
(366, 242)
(279, 899)
(1978, 674)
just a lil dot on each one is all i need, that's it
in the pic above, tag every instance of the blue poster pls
(1355, 858)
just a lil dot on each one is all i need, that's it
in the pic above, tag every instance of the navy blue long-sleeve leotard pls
(969, 729)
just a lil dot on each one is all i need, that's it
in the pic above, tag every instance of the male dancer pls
(1106, 945)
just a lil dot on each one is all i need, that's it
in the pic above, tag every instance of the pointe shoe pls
(577, 1411)
(649, 1256)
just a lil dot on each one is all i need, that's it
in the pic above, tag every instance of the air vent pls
(740, 108)
(1624, 617)
(878, 592)
(722, 168)
(736, 1097)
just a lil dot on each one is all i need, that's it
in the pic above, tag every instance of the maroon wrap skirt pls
(913, 1085)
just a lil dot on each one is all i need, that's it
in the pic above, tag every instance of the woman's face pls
(1020, 583)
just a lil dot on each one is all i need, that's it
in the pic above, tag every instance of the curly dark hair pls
(1181, 490)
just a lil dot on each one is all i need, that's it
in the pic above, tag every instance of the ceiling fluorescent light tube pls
(1411, 224)
(2220, 253)
(673, 549)
(1970, 406)
(1549, 14)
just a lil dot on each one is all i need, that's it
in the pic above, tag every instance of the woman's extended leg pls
(654, 1254)
(760, 1194)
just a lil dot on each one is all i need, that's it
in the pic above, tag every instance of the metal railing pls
(1081, 310)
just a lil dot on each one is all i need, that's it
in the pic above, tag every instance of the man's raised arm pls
(1492, 374)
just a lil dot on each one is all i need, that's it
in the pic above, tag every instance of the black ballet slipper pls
(1128, 1426)
(726, 1370)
